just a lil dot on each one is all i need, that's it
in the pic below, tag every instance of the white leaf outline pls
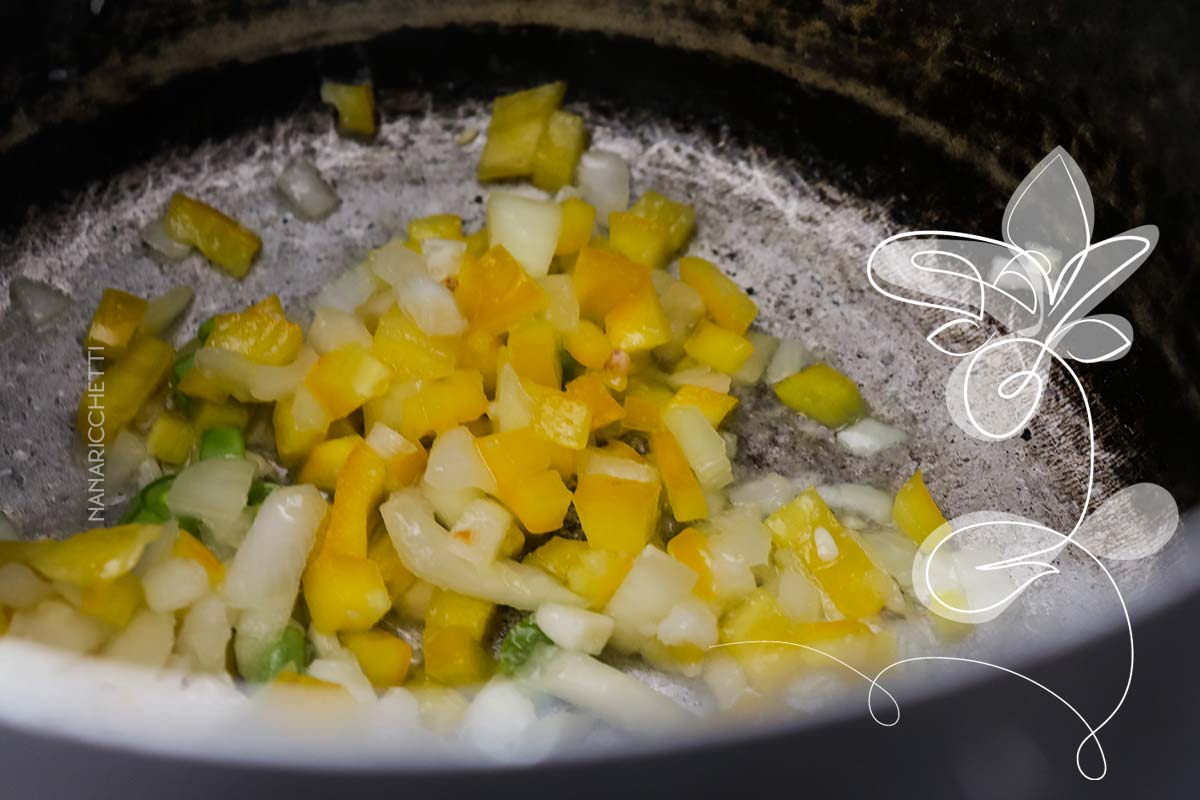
(1110, 322)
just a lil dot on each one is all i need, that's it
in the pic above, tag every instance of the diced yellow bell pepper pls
(344, 593)
(513, 455)
(557, 556)
(208, 415)
(616, 514)
(479, 351)
(453, 610)
(832, 554)
(453, 658)
(291, 678)
(112, 400)
(715, 405)
(644, 406)
(591, 390)
(690, 548)
(540, 502)
(384, 657)
(292, 438)
(404, 460)
(822, 393)
(388, 408)
(477, 243)
(727, 304)
(171, 438)
(494, 292)
(592, 574)
(533, 352)
(515, 129)
(914, 511)
(520, 462)
(639, 322)
(261, 333)
(221, 239)
(409, 351)
(578, 220)
(326, 460)
(116, 320)
(435, 226)
(604, 280)
(678, 218)
(115, 601)
(345, 378)
(359, 489)
(639, 239)
(589, 345)
(395, 575)
(684, 494)
(355, 104)
(558, 150)
(716, 347)
(191, 548)
(440, 405)
(93, 557)
(200, 384)
(563, 420)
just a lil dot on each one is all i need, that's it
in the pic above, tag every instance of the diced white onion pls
(204, 634)
(443, 257)
(349, 290)
(597, 462)
(164, 309)
(154, 235)
(604, 180)
(654, 584)
(147, 640)
(790, 357)
(894, 553)
(858, 498)
(479, 531)
(39, 302)
(306, 192)
(454, 463)
(741, 531)
(527, 228)
(333, 328)
(56, 624)
(869, 436)
(268, 565)
(21, 588)
(256, 382)
(212, 491)
(701, 444)
(345, 673)
(574, 628)
(513, 407)
(498, 719)
(725, 678)
(765, 347)
(174, 584)
(430, 304)
(702, 376)
(799, 597)
(689, 622)
(122, 459)
(767, 493)
(448, 504)
(388, 443)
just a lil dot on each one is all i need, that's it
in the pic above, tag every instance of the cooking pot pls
(804, 133)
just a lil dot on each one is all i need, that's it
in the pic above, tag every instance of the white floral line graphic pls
(1031, 311)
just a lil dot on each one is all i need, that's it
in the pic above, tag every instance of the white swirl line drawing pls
(1033, 308)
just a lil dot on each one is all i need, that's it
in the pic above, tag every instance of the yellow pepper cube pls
(388, 408)
(639, 239)
(441, 405)
(261, 333)
(477, 243)
(326, 460)
(727, 304)
(409, 351)
(690, 548)
(494, 292)
(914, 510)
(384, 657)
(396, 576)
(355, 105)
(684, 493)
(435, 226)
(616, 514)
(111, 401)
(114, 602)
(116, 320)
(293, 437)
(563, 420)
(589, 345)
(404, 460)
(344, 379)
(200, 384)
(515, 129)
(644, 406)
(453, 610)
(453, 658)
(512, 456)
(822, 393)
(578, 221)
(520, 461)
(540, 502)
(591, 390)
(714, 405)
(208, 415)
(221, 239)
(171, 438)
(596, 574)
(344, 593)
(357, 494)
(533, 352)
(716, 347)
(832, 554)
(93, 557)
(558, 150)
(639, 322)
(557, 556)
(678, 218)
(604, 280)
(191, 548)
